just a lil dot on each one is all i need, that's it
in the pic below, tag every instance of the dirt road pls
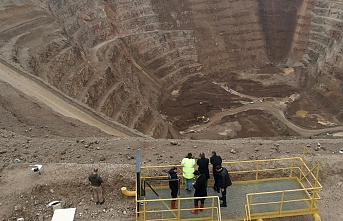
(273, 108)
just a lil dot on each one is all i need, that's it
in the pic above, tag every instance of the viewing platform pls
(261, 189)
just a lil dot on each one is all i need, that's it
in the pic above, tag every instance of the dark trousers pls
(196, 201)
(174, 192)
(216, 181)
(224, 197)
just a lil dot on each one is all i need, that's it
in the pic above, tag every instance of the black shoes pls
(223, 205)
(98, 202)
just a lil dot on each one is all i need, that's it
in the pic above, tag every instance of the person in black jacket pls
(96, 182)
(224, 182)
(203, 165)
(215, 161)
(173, 185)
(200, 186)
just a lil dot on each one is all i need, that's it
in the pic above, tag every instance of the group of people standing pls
(198, 179)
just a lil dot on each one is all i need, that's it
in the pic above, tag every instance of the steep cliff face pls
(279, 21)
(324, 54)
(149, 63)
(77, 50)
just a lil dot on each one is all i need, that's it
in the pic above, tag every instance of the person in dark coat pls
(215, 161)
(224, 182)
(200, 186)
(173, 185)
(203, 165)
(96, 181)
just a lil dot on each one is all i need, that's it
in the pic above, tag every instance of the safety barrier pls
(299, 199)
(159, 209)
(155, 207)
(292, 202)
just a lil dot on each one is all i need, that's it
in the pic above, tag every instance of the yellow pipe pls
(316, 217)
(259, 220)
(127, 192)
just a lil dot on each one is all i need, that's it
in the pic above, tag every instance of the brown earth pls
(32, 133)
(86, 84)
(160, 69)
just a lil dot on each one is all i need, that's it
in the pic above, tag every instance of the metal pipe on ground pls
(127, 192)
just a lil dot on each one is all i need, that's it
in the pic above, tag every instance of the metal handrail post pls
(292, 168)
(257, 170)
(212, 212)
(178, 209)
(281, 202)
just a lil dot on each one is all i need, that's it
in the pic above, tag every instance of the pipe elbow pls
(127, 192)
(316, 217)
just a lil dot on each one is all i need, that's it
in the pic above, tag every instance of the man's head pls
(219, 168)
(95, 170)
(189, 155)
(196, 173)
(174, 169)
(214, 153)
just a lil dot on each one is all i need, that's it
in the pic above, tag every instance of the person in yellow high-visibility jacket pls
(188, 164)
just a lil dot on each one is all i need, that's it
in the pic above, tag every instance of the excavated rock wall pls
(109, 79)
(324, 52)
(279, 20)
(123, 58)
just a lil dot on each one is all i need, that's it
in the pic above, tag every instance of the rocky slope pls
(135, 61)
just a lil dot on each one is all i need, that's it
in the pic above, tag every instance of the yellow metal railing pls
(297, 168)
(307, 178)
(301, 205)
(159, 172)
(159, 209)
